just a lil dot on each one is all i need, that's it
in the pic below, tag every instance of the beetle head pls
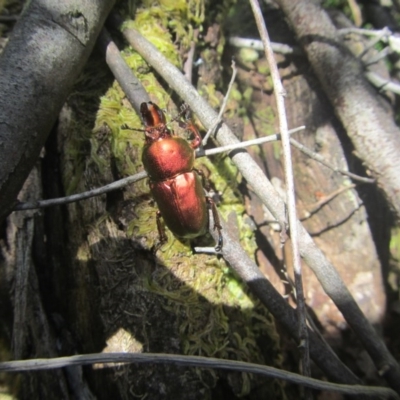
(154, 121)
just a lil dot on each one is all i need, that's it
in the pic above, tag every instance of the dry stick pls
(317, 157)
(140, 175)
(131, 86)
(382, 83)
(257, 44)
(109, 359)
(61, 38)
(313, 256)
(378, 57)
(385, 33)
(212, 130)
(82, 196)
(373, 134)
(289, 180)
(313, 208)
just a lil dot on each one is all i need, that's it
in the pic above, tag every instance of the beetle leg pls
(161, 231)
(188, 125)
(217, 223)
(196, 141)
(205, 181)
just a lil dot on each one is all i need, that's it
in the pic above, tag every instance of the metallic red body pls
(182, 204)
(175, 185)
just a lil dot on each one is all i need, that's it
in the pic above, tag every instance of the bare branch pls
(194, 361)
(141, 175)
(132, 87)
(257, 44)
(381, 83)
(315, 156)
(62, 35)
(289, 180)
(82, 196)
(313, 208)
(212, 130)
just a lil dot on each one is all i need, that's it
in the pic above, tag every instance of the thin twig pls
(218, 121)
(108, 359)
(315, 156)
(385, 33)
(325, 200)
(140, 175)
(289, 180)
(193, 361)
(382, 83)
(8, 18)
(82, 196)
(366, 32)
(378, 57)
(247, 143)
(257, 44)
(132, 87)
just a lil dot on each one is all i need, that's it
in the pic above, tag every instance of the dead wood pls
(47, 50)
(372, 130)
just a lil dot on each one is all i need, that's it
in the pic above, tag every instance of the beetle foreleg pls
(217, 223)
(189, 126)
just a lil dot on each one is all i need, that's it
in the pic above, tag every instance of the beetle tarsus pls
(204, 180)
(161, 231)
(217, 223)
(189, 126)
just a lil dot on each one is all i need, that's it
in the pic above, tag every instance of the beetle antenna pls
(127, 127)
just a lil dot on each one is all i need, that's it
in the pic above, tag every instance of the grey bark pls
(47, 50)
(372, 130)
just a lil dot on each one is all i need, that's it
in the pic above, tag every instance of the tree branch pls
(195, 361)
(47, 50)
(290, 194)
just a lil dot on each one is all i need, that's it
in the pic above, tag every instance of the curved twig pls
(82, 196)
(194, 361)
(140, 175)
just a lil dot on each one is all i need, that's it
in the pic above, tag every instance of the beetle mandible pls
(174, 182)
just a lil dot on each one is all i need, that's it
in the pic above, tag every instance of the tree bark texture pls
(375, 136)
(340, 228)
(48, 48)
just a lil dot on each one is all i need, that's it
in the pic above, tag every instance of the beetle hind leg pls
(217, 223)
(161, 231)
